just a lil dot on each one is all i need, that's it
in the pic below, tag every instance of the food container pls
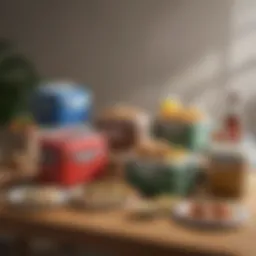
(193, 136)
(156, 168)
(156, 178)
(71, 156)
(60, 104)
(227, 169)
(187, 127)
(123, 126)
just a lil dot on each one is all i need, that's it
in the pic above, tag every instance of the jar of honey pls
(227, 169)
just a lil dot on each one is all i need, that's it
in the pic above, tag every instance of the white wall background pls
(140, 50)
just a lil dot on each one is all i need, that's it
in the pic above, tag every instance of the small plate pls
(239, 217)
(139, 209)
(18, 197)
(100, 195)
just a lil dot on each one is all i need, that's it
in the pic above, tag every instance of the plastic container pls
(193, 136)
(71, 156)
(155, 178)
(186, 126)
(61, 104)
(124, 127)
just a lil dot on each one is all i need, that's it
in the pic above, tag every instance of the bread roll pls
(120, 112)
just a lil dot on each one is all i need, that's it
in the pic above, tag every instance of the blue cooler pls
(61, 104)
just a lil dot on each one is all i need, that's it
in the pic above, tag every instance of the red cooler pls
(71, 157)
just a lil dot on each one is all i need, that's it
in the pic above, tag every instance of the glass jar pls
(227, 168)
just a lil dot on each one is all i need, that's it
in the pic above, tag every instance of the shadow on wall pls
(139, 50)
(125, 49)
(161, 40)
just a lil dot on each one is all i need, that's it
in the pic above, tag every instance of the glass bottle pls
(232, 121)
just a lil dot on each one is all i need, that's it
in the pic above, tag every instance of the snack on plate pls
(214, 211)
(101, 195)
(42, 196)
(222, 211)
(35, 197)
(210, 214)
(197, 210)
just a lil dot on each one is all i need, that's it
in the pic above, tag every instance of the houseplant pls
(18, 77)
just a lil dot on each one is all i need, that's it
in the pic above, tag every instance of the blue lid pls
(59, 87)
(65, 90)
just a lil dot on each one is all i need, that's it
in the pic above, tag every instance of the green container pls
(191, 136)
(157, 178)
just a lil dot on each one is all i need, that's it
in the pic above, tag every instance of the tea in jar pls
(227, 169)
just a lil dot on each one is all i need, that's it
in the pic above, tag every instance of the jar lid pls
(226, 152)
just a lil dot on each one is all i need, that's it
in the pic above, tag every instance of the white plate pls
(17, 198)
(81, 201)
(181, 213)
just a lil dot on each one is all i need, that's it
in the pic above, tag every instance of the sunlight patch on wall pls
(243, 15)
(242, 50)
(204, 69)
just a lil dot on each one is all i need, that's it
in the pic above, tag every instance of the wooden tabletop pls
(114, 229)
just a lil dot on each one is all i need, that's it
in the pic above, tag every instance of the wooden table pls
(114, 232)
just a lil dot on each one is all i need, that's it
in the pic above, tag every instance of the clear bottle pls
(232, 119)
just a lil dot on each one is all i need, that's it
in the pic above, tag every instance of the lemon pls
(170, 104)
(170, 108)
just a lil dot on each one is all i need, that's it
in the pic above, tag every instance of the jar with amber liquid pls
(227, 170)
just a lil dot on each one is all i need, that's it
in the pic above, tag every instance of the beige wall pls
(140, 50)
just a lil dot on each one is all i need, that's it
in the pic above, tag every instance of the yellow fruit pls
(170, 104)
